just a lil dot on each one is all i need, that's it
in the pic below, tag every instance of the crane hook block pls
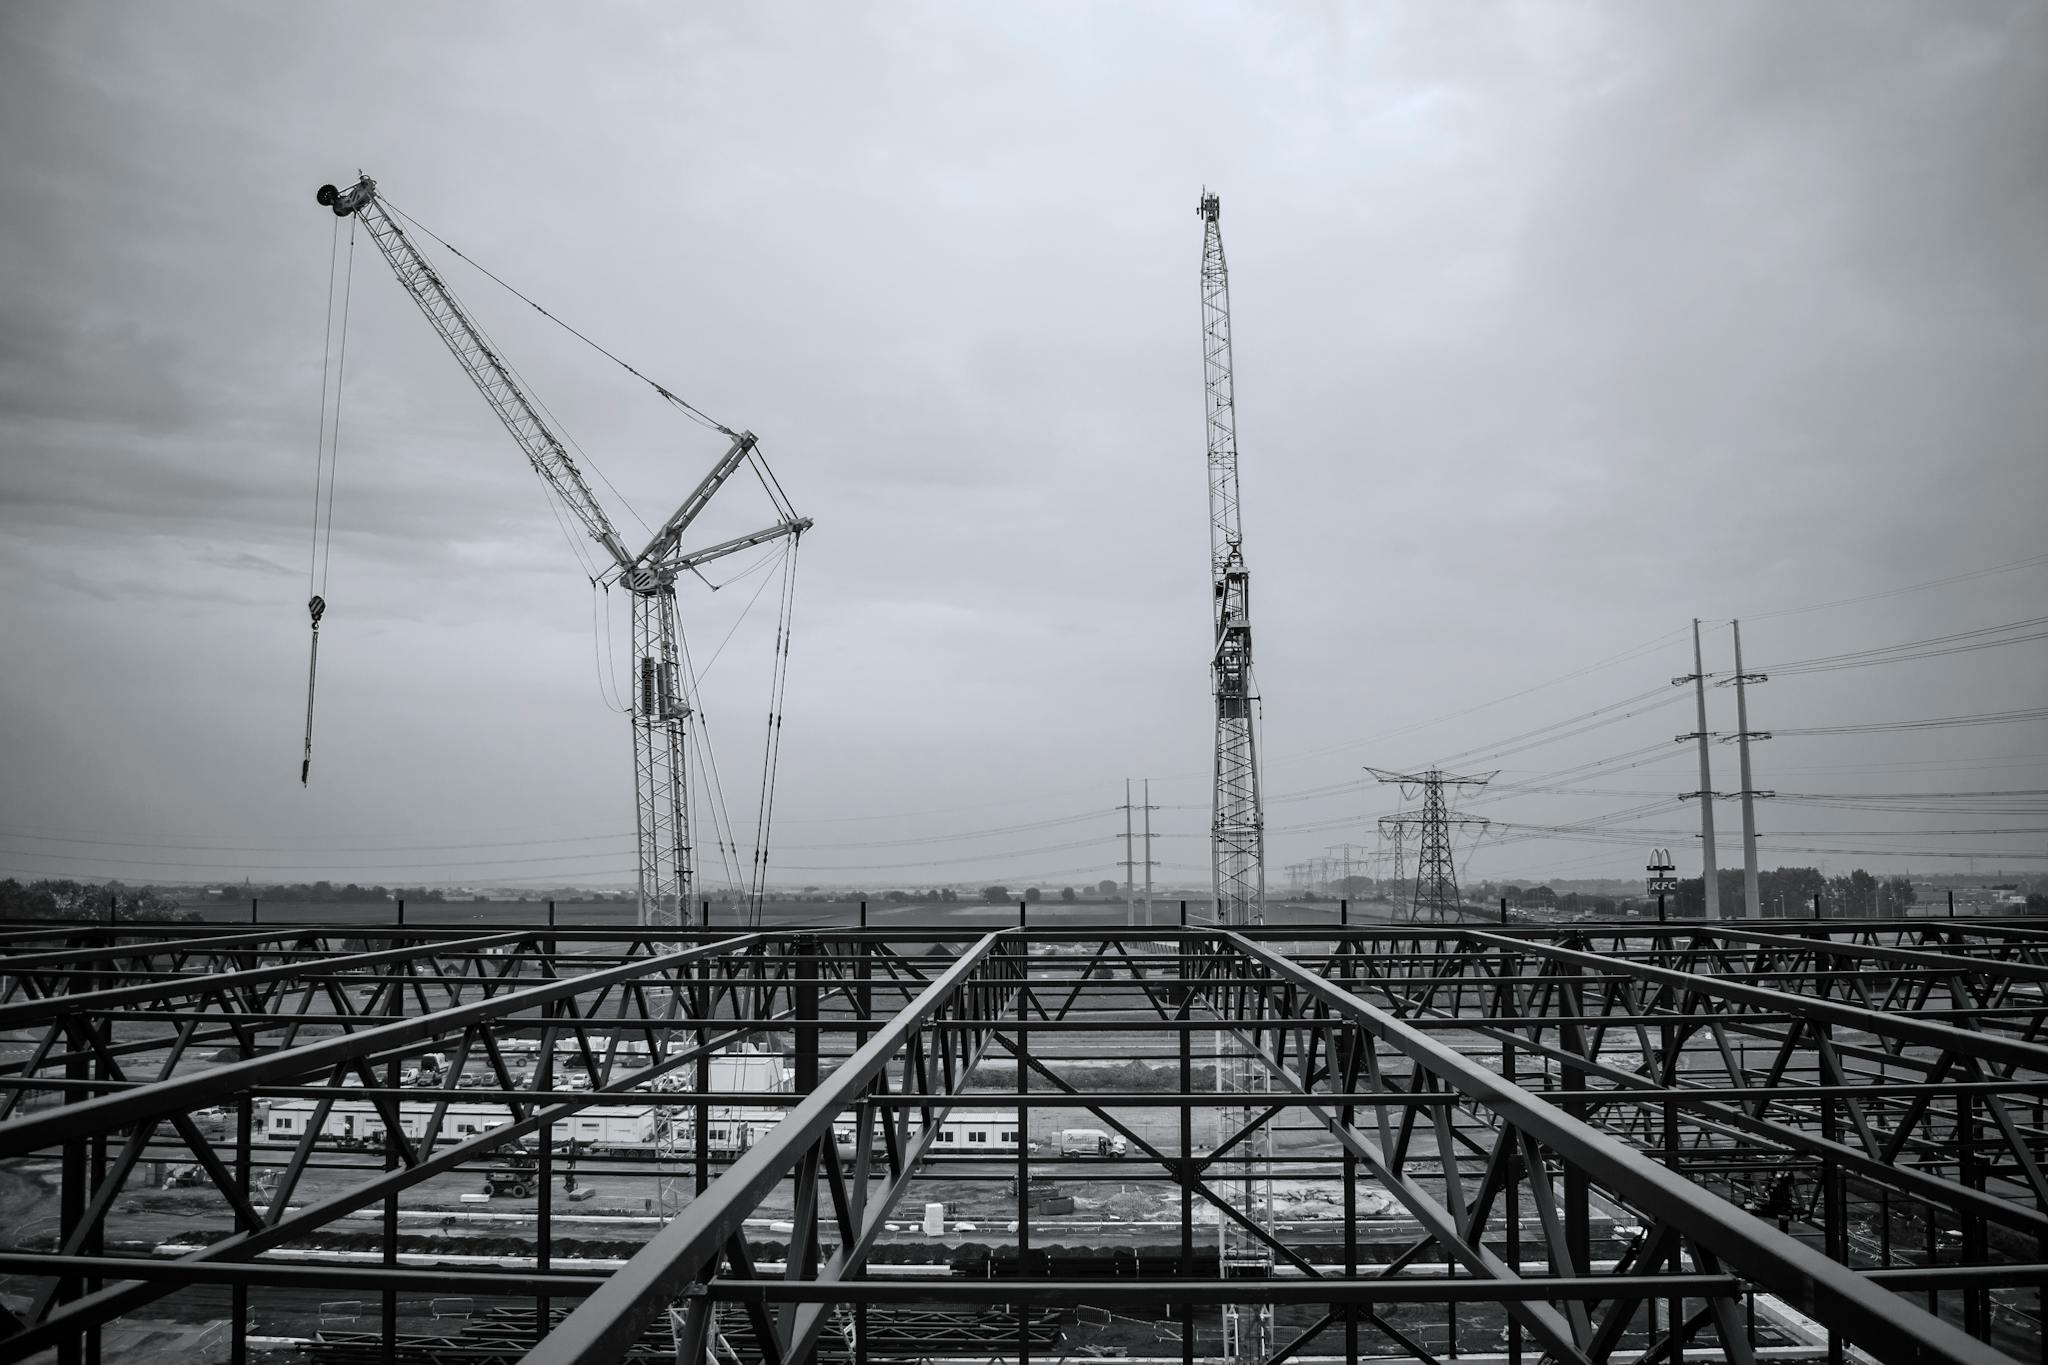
(316, 608)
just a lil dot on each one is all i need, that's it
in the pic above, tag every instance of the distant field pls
(776, 915)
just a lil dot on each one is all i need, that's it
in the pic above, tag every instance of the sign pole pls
(1660, 868)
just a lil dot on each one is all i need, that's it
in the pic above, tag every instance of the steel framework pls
(1593, 1142)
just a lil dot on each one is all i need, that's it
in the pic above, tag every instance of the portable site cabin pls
(975, 1132)
(609, 1125)
(745, 1071)
(287, 1120)
(615, 1125)
(733, 1128)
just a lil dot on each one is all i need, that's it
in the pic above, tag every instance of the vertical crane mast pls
(660, 709)
(1237, 826)
(1236, 821)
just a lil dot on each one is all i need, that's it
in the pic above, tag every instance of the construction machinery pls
(660, 709)
(1237, 838)
(517, 1176)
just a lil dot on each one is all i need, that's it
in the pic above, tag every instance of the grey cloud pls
(1556, 327)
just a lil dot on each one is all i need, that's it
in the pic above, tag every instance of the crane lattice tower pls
(1237, 826)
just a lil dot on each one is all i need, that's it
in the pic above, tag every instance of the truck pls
(1090, 1142)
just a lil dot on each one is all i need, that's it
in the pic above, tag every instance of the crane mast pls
(1237, 825)
(660, 710)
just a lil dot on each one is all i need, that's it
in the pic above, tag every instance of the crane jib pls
(662, 698)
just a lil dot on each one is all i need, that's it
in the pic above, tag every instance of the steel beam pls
(182, 1094)
(607, 1324)
(1877, 1320)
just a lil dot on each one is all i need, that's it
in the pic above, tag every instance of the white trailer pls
(609, 1127)
(976, 1132)
(601, 1126)
(732, 1129)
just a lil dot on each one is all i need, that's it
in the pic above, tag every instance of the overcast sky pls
(1556, 326)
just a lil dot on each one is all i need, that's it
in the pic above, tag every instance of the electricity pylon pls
(1436, 872)
(1752, 897)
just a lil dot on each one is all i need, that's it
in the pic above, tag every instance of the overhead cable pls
(695, 413)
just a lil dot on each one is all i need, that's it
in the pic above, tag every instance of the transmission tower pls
(1131, 859)
(1237, 825)
(1344, 851)
(1752, 898)
(1436, 872)
(1710, 876)
(1392, 829)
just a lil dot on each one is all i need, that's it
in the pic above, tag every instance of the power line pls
(624, 836)
(688, 409)
(2029, 562)
(1934, 647)
(1633, 652)
(1537, 738)
(2032, 713)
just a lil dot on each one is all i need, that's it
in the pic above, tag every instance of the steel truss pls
(1624, 1142)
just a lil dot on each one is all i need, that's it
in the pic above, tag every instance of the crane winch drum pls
(345, 202)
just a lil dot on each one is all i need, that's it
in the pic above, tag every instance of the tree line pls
(327, 893)
(1790, 893)
(102, 901)
(1782, 892)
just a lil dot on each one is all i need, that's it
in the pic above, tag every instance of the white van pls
(1090, 1142)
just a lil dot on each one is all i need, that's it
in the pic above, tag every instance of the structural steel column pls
(1023, 1054)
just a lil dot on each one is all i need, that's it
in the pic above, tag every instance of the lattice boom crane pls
(660, 710)
(1237, 823)
(1237, 838)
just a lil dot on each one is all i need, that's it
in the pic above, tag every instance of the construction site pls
(1248, 1128)
(364, 1026)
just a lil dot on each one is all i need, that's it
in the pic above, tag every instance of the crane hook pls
(316, 608)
